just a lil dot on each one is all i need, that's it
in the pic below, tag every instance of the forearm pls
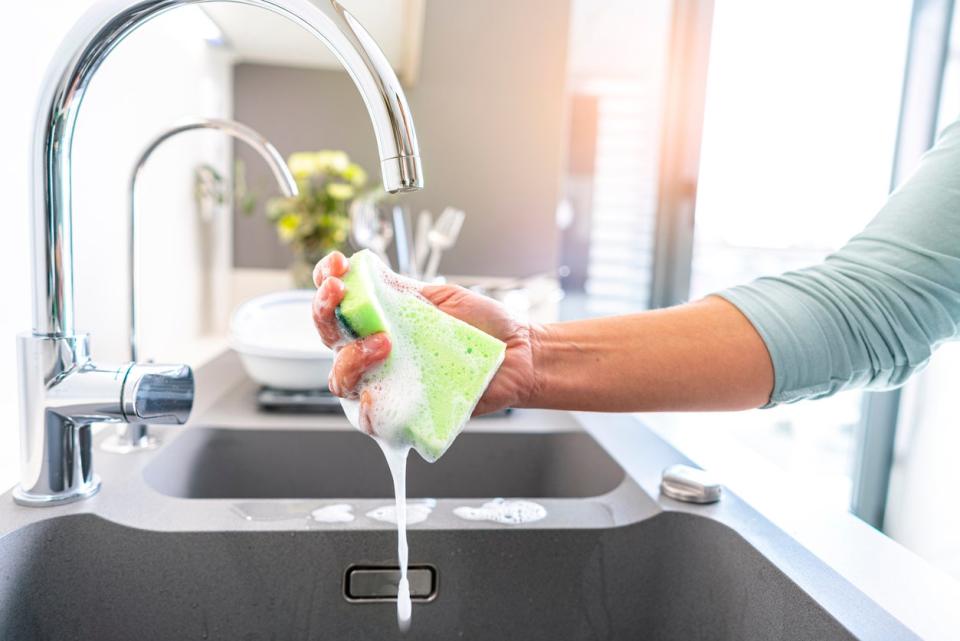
(700, 356)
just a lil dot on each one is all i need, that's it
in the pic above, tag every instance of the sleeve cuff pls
(794, 337)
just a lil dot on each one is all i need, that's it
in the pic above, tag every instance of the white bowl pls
(278, 343)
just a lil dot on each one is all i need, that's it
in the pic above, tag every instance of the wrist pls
(538, 339)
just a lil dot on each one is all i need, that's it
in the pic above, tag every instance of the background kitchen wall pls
(490, 116)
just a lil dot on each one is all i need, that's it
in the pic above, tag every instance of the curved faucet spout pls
(62, 389)
(76, 62)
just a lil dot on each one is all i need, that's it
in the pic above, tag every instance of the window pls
(800, 129)
(799, 135)
(616, 75)
(927, 439)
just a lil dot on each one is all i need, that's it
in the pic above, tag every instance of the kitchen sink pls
(214, 535)
(208, 462)
(673, 577)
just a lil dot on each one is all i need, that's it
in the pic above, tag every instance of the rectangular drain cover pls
(366, 583)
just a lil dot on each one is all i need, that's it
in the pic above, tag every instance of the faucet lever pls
(157, 394)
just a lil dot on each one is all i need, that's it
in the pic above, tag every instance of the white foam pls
(336, 513)
(503, 511)
(404, 606)
(398, 385)
(399, 395)
(396, 456)
(417, 512)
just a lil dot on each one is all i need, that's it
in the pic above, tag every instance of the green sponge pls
(438, 367)
(360, 309)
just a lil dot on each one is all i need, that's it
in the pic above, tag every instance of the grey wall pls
(490, 115)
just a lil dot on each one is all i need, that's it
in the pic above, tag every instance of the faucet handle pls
(158, 394)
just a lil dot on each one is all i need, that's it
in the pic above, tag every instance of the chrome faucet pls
(131, 437)
(62, 390)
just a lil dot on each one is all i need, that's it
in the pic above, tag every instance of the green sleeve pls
(873, 312)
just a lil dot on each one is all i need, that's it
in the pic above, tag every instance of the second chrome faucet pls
(130, 437)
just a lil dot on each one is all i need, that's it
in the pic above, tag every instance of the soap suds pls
(274, 510)
(396, 456)
(336, 513)
(423, 388)
(417, 512)
(503, 511)
(399, 395)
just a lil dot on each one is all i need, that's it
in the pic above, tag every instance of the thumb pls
(441, 295)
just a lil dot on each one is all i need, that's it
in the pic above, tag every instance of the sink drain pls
(366, 584)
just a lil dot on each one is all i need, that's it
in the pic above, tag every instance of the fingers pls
(440, 294)
(330, 290)
(483, 407)
(325, 301)
(354, 360)
(366, 412)
(333, 265)
(475, 309)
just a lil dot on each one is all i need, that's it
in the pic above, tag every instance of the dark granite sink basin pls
(212, 536)
(675, 576)
(259, 464)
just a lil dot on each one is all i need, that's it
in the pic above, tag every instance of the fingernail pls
(317, 273)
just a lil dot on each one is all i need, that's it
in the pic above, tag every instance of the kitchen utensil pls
(316, 401)
(421, 242)
(368, 229)
(404, 235)
(442, 237)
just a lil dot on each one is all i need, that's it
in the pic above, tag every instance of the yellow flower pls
(331, 161)
(287, 226)
(301, 164)
(340, 191)
(355, 174)
(304, 164)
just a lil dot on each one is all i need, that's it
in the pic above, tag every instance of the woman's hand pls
(513, 384)
(515, 381)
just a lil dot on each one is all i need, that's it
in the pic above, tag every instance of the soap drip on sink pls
(396, 456)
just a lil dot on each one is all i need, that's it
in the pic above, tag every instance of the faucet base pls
(62, 393)
(128, 438)
(85, 491)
